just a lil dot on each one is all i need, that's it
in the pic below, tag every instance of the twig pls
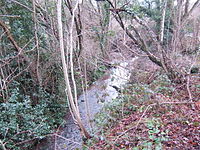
(149, 106)
(26, 141)
(69, 140)
(188, 88)
(2, 35)
(3, 145)
(11, 16)
(22, 5)
(8, 81)
(188, 79)
(22, 132)
(55, 139)
(186, 15)
(55, 134)
(137, 122)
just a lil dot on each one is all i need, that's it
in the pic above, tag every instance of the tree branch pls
(142, 43)
(186, 15)
(9, 35)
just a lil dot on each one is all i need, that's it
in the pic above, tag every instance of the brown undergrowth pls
(158, 115)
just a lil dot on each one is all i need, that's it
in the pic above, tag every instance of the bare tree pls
(78, 25)
(72, 100)
(161, 58)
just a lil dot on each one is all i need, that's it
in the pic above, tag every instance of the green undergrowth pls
(24, 122)
(136, 119)
(97, 73)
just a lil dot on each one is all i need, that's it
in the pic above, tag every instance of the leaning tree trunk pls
(163, 60)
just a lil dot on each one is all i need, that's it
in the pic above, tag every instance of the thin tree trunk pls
(189, 12)
(162, 24)
(36, 43)
(78, 25)
(187, 3)
(163, 60)
(65, 68)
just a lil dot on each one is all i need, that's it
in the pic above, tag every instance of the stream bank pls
(90, 103)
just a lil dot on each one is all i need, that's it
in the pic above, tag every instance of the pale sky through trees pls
(94, 2)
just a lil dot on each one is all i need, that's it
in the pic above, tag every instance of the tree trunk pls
(162, 24)
(72, 102)
(163, 61)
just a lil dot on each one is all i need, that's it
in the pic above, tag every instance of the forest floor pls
(154, 116)
(151, 113)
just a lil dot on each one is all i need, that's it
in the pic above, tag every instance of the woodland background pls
(51, 51)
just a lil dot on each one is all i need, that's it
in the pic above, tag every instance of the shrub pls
(22, 122)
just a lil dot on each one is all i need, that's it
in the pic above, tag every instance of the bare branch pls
(22, 5)
(142, 43)
(7, 31)
(2, 145)
(186, 15)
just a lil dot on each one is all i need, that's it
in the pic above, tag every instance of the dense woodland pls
(52, 51)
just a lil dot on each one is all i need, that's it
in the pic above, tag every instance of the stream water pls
(102, 92)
